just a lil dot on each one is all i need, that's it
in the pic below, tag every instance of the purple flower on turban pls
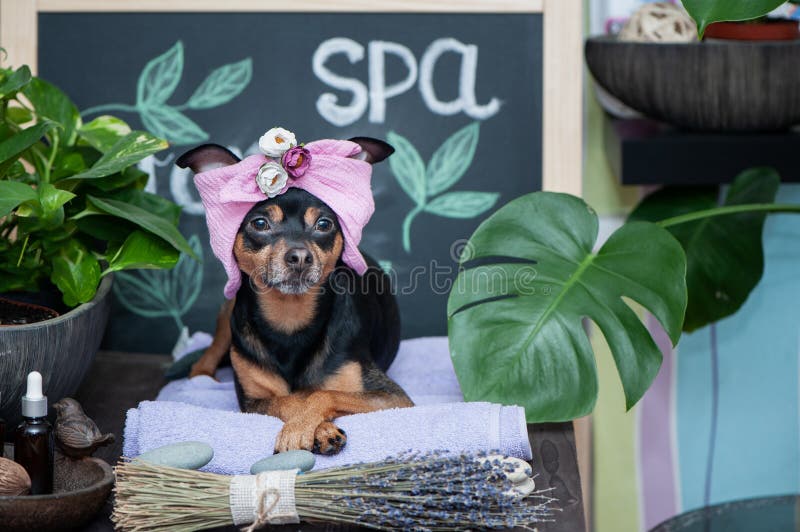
(296, 161)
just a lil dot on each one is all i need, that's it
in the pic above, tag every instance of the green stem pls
(109, 107)
(51, 159)
(407, 226)
(24, 247)
(729, 209)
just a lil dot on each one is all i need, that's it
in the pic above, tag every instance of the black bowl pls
(706, 86)
(81, 488)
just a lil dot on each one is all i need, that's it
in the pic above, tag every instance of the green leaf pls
(144, 219)
(48, 212)
(452, 159)
(173, 125)
(103, 132)
(515, 325)
(143, 250)
(462, 204)
(128, 150)
(19, 115)
(52, 104)
(407, 167)
(725, 256)
(152, 203)
(104, 227)
(71, 161)
(14, 82)
(52, 198)
(160, 77)
(12, 148)
(76, 273)
(705, 12)
(122, 180)
(12, 194)
(222, 85)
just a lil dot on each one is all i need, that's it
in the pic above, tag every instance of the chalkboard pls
(459, 95)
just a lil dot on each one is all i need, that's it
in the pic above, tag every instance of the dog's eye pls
(259, 224)
(324, 225)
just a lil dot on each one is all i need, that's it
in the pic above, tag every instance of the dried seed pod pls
(14, 480)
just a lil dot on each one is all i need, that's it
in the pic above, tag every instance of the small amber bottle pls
(33, 441)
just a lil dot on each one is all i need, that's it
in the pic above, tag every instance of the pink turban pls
(333, 176)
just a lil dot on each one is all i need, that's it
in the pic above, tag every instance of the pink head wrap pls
(343, 183)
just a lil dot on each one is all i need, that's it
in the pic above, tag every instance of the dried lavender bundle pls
(412, 492)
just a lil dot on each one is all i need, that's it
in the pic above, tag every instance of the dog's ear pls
(207, 157)
(372, 150)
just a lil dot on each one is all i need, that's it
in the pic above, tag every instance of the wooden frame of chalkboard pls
(562, 127)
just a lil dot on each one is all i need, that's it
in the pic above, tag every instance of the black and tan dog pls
(309, 339)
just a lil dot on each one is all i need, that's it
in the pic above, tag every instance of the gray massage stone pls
(302, 460)
(184, 455)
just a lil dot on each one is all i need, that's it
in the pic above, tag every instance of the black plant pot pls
(61, 349)
(724, 86)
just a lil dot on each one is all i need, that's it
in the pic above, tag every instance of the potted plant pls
(689, 84)
(742, 21)
(73, 210)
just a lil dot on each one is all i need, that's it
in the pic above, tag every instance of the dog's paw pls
(295, 435)
(328, 439)
(200, 368)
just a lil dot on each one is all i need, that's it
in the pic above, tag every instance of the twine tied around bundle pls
(266, 498)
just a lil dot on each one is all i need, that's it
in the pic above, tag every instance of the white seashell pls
(523, 489)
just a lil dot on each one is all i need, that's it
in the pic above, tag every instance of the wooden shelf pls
(644, 152)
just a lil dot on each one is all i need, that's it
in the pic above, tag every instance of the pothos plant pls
(72, 204)
(529, 277)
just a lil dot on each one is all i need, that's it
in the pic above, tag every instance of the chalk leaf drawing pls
(427, 185)
(163, 293)
(157, 83)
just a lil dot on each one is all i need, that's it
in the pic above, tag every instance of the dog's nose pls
(298, 258)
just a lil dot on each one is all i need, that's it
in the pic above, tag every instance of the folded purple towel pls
(239, 440)
(203, 409)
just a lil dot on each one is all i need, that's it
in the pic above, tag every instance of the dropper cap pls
(34, 404)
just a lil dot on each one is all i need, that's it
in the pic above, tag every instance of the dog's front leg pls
(304, 426)
(265, 392)
(208, 363)
(319, 408)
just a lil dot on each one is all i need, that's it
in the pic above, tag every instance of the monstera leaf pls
(725, 256)
(529, 278)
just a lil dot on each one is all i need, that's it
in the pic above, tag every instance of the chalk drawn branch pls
(426, 185)
(157, 83)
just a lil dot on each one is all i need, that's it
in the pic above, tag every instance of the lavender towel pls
(239, 440)
(206, 410)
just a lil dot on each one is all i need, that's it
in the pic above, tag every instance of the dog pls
(309, 339)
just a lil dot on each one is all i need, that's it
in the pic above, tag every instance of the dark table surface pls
(119, 381)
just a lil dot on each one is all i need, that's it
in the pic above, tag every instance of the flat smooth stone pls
(184, 455)
(299, 459)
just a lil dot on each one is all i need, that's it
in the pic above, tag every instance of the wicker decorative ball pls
(659, 22)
